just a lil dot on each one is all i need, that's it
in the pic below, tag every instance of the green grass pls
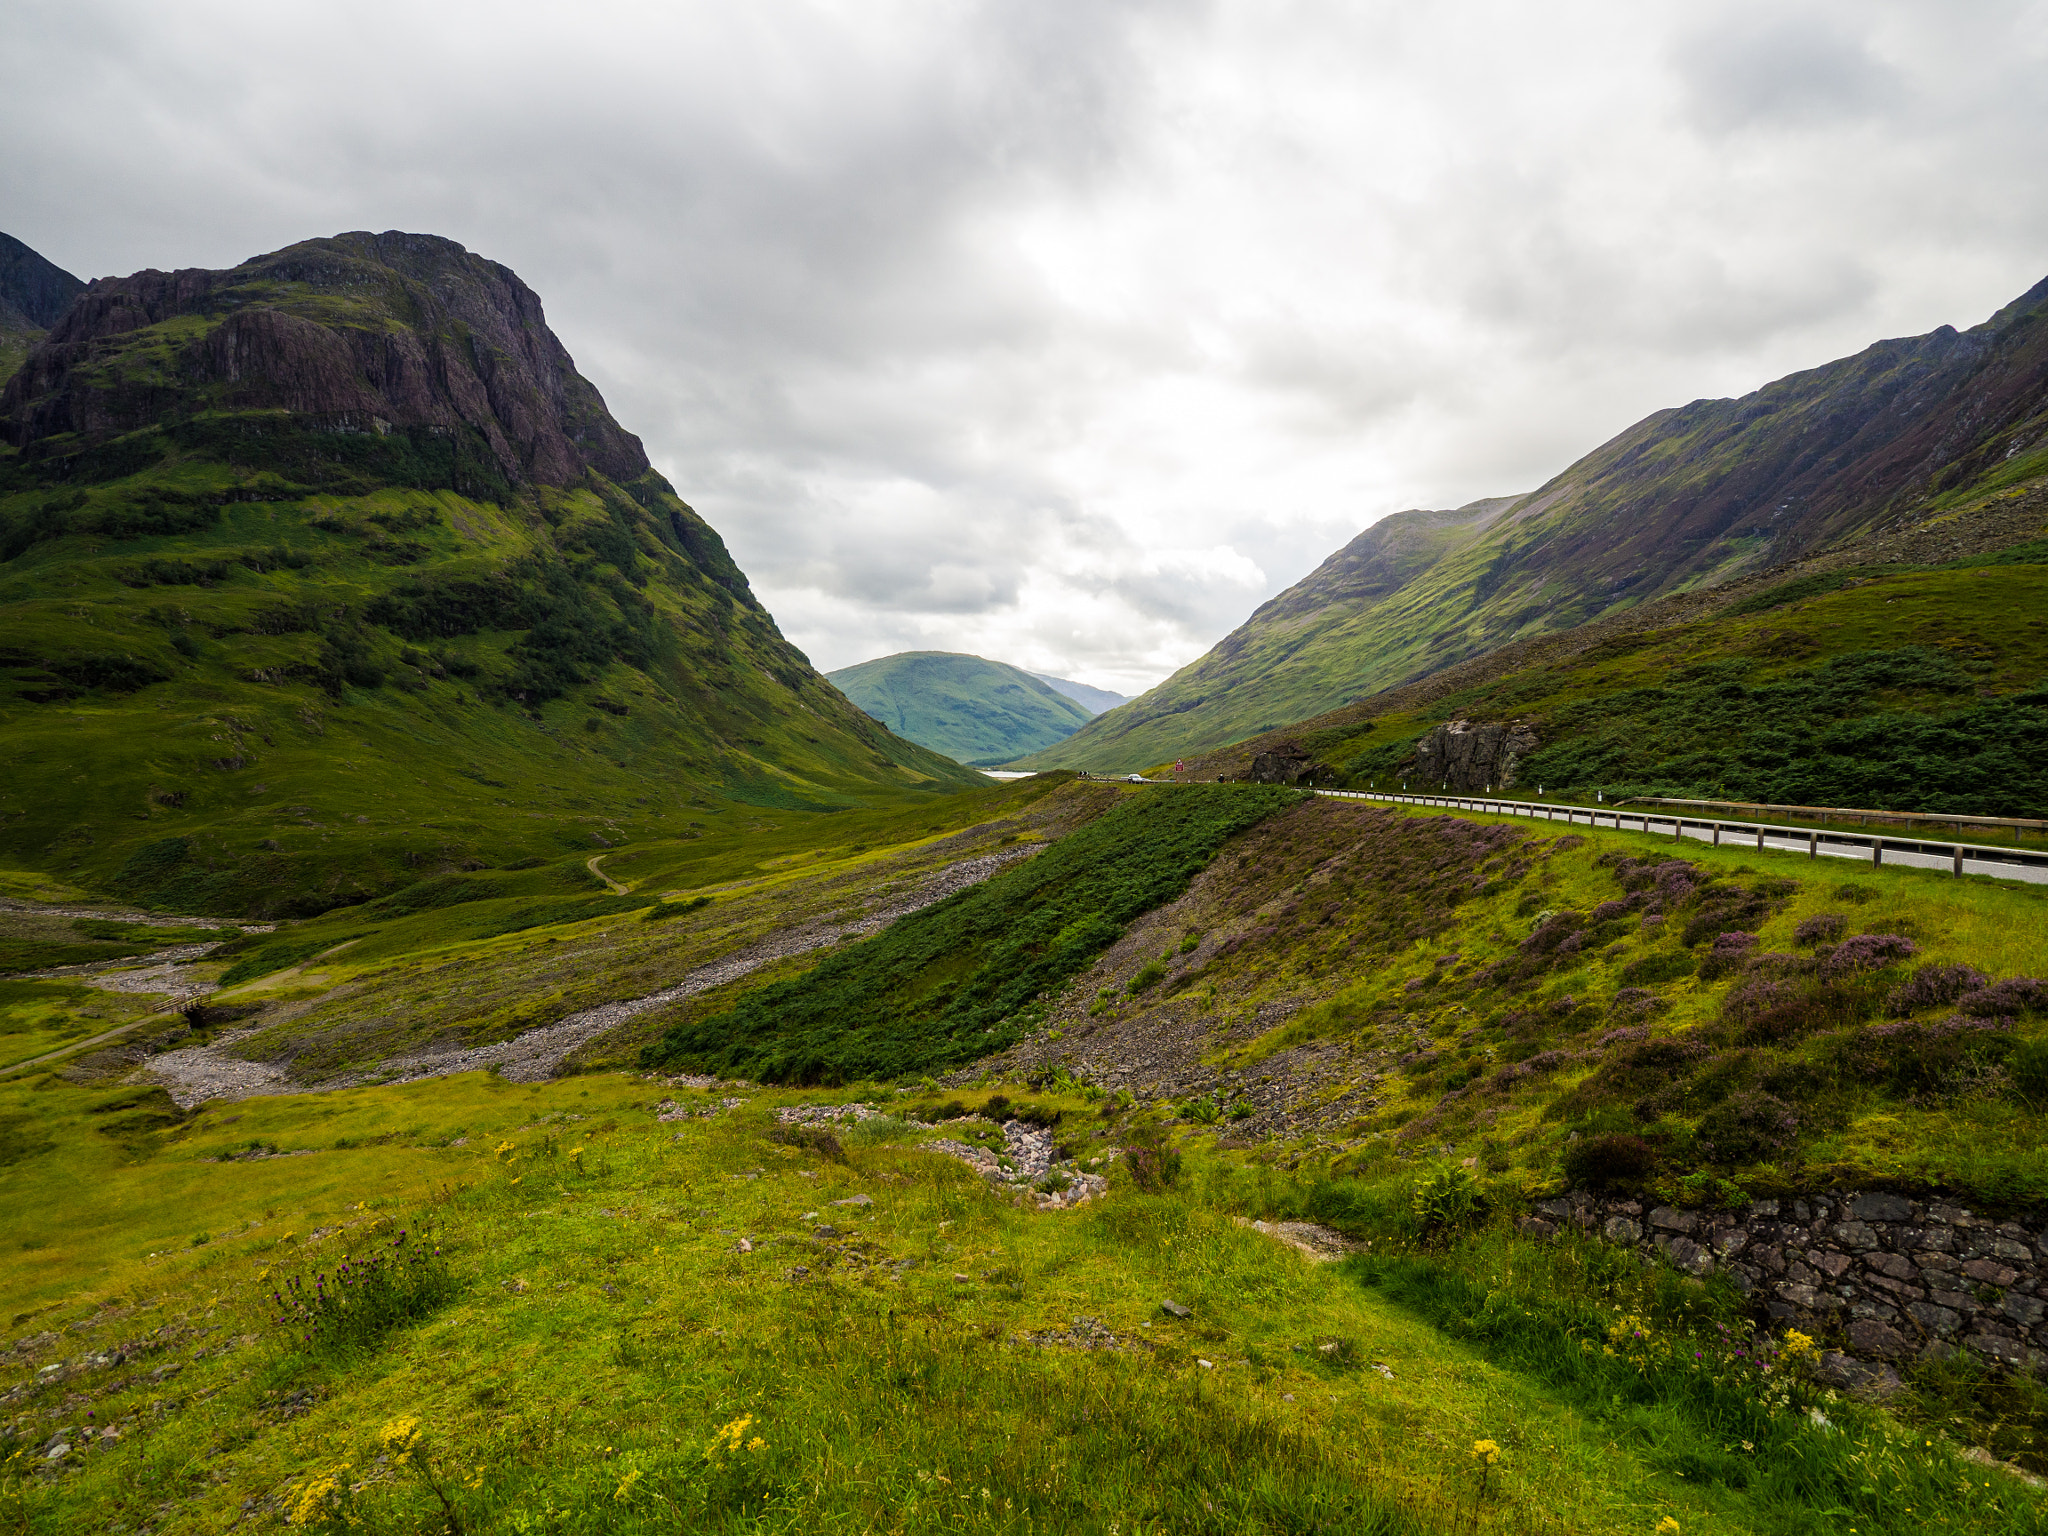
(960, 980)
(601, 1331)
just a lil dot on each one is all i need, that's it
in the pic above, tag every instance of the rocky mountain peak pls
(358, 332)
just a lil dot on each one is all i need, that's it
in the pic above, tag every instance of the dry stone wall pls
(1882, 1277)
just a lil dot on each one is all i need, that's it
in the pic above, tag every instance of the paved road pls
(2025, 864)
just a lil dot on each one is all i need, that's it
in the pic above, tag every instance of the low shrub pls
(353, 1306)
(1613, 1162)
(1932, 986)
(1445, 1201)
(1821, 928)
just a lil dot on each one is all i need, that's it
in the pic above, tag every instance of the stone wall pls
(1881, 1277)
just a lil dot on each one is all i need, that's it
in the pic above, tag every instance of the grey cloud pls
(1071, 331)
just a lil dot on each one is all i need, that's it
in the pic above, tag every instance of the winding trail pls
(196, 1074)
(612, 885)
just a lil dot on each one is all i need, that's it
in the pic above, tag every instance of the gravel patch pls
(201, 1073)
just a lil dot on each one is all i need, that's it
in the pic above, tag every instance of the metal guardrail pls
(2019, 825)
(1815, 842)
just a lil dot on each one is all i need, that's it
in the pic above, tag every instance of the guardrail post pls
(1717, 834)
(1812, 844)
(1759, 839)
(1876, 851)
(1957, 850)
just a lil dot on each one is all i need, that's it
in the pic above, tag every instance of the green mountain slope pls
(1686, 498)
(329, 572)
(34, 293)
(1095, 700)
(1907, 686)
(969, 708)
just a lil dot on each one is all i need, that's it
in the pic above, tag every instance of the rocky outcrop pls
(1468, 757)
(1288, 763)
(1881, 1277)
(359, 333)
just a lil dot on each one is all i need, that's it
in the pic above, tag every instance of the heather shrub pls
(1821, 928)
(1633, 1004)
(1609, 1162)
(1932, 986)
(1746, 1127)
(1726, 956)
(1915, 1059)
(2010, 998)
(1868, 952)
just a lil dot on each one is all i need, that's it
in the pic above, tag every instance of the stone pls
(1961, 1301)
(1620, 1229)
(1690, 1256)
(1672, 1220)
(854, 1200)
(2005, 1351)
(1853, 1234)
(2022, 1309)
(1536, 1226)
(1864, 1307)
(1175, 1309)
(1763, 1208)
(1556, 1210)
(1730, 1242)
(1768, 1259)
(1935, 1319)
(1468, 757)
(1869, 1337)
(1798, 1295)
(1833, 1265)
(1898, 1288)
(1986, 1272)
(1940, 1239)
(1893, 1264)
(2005, 1248)
(1855, 1377)
(1879, 1207)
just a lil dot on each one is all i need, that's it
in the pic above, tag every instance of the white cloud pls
(1068, 332)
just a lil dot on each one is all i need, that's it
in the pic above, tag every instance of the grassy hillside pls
(1891, 687)
(1897, 436)
(603, 1320)
(258, 658)
(971, 709)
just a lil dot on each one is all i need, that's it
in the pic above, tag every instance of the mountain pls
(33, 294)
(970, 708)
(1690, 497)
(1095, 700)
(329, 571)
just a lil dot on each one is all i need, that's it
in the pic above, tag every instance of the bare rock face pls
(1287, 763)
(1468, 757)
(357, 333)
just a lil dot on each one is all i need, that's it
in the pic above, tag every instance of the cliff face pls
(1686, 498)
(358, 333)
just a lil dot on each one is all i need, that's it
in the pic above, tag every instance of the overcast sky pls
(1066, 333)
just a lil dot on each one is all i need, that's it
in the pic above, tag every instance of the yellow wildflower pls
(1797, 1345)
(1666, 1527)
(1485, 1451)
(310, 1503)
(400, 1435)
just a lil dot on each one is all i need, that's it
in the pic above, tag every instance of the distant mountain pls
(1686, 498)
(1094, 700)
(972, 709)
(33, 293)
(328, 573)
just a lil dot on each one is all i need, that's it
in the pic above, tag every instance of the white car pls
(1136, 778)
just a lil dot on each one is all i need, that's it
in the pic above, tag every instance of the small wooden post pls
(1717, 834)
(1876, 851)
(1957, 850)
(1812, 844)
(1759, 839)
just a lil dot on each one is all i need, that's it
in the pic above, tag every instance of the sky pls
(1066, 332)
